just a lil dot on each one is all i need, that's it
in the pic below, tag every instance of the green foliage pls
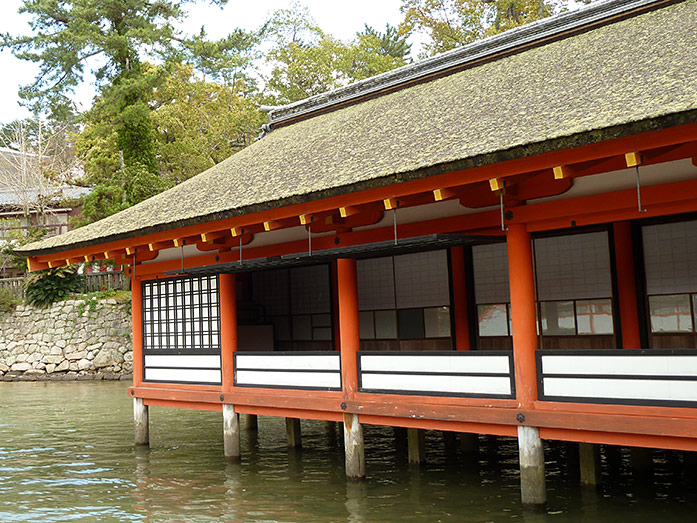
(305, 61)
(135, 138)
(226, 61)
(198, 123)
(113, 33)
(391, 42)
(42, 288)
(8, 301)
(9, 258)
(452, 23)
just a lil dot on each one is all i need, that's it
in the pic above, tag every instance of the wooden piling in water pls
(231, 433)
(293, 433)
(469, 443)
(589, 461)
(532, 467)
(141, 422)
(416, 439)
(354, 447)
(251, 421)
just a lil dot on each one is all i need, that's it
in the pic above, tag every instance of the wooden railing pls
(625, 377)
(101, 281)
(438, 373)
(95, 281)
(14, 285)
(288, 370)
(51, 229)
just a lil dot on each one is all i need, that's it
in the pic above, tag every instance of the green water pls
(66, 454)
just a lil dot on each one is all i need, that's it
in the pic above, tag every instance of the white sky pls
(340, 19)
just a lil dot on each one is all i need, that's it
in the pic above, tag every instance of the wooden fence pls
(101, 281)
(14, 285)
(95, 281)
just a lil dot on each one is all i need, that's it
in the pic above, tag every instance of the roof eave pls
(507, 42)
(517, 152)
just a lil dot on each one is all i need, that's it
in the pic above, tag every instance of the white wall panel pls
(492, 385)
(440, 364)
(621, 365)
(183, 361)
(288, 379)
(288, 362)
(621, 389)
(183, 375)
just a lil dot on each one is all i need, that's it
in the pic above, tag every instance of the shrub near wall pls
(69, 340)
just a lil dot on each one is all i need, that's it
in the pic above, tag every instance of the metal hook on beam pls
(638, 190)
(241, 233)
(503, 224)
(309, 235)
(394, 220)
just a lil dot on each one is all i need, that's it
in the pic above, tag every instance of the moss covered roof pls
(632, 75)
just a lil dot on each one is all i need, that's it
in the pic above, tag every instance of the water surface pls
(66, 454)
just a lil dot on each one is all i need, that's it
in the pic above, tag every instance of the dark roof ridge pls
(507, 41)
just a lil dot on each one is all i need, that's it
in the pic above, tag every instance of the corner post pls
(228, 347)
(349, 334)
(626, 285)
(460, 312)
(141, 417)
(522, 286)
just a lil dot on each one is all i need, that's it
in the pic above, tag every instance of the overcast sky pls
(340, 19)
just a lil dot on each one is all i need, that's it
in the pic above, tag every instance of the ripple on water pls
(67, 455)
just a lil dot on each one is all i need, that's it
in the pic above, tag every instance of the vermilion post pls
(522, 286)
(228, 328)
(626, 286)
(137, 321)
(460, 312)
(347, 289)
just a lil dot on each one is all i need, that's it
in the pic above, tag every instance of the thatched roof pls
(632, 75)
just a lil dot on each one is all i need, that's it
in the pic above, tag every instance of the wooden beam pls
(676, 135)
(157, 246)
(444, 194)
(271, 225)
(210, 237)
(575, 208)
(345, 212)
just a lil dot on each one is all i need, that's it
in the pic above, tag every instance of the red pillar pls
(137, 321)
(347, 290)
(460, 312)
(228, 328)
(522, 286)
(626, 286)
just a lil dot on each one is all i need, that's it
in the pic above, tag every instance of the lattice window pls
(181, 316)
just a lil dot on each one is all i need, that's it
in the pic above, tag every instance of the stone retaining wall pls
(70, 340)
